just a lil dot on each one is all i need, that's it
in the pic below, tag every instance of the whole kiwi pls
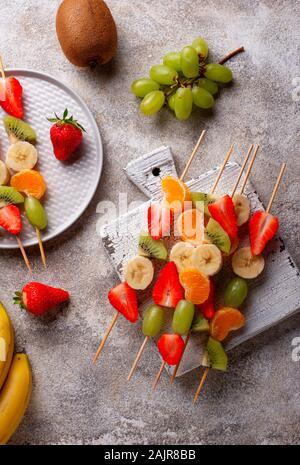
(86, 32)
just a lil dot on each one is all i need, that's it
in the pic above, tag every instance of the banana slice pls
(4, 174)
(21, 156)
(181, 253)
(246, 265)
(139, 272)
(208, 259)
(242, 208)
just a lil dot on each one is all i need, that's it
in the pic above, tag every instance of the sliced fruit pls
(176, 192)
(171, 347)
(183, 317)
(11, 96)
(217, 236)
(200, 324)
(196, 285)
(216, 355)
(246, 265)
(35, 213)
(190, 226)
(201, 200)
(241, 208)
(208, 259)
(139, 272)
(222, 210)
(181, 254)
(30, 182)
(21, 156)
(236, 292)
(208, 307)
(4, 174)
(6, 344)
(160, 219)
(9, 195)
(18, 130)
(167, 290)
(151, 248)
(262, 228)
(225, 320)
(123, 298)
(10, 219)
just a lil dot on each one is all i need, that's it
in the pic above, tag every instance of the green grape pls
(236, 292)
(35, 213)
(201, 47)
(183, 103)
(202, 98)
(171, 102)
(152, 102)
(153, 320)
(173, 60)
(189, 62)
(218, 73)
(183, 317)
(142, 87)
(208, 85)
(163, 74)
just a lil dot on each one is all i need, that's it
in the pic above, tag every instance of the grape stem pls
(231, 55)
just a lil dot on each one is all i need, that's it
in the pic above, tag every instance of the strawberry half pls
(11, 93)
(222, 210)
(262, 228)
(10, 219)
(171, 347)
(160, 218)
(38, 298)
(123, 298)
(208, 307)
(167, 290)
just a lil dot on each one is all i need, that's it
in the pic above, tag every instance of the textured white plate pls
(71, 185)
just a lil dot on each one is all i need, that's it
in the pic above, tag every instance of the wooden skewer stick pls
(24, 254)
(137, 358)
(188, 164)
(156, 381)
(282, 170)
(228, 155)
(178, 364)
(108, 331)
(2, 68)
(201, 384)
(42, 251)
(249, 169)
(242, 170)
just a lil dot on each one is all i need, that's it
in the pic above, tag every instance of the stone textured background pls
(257, 401)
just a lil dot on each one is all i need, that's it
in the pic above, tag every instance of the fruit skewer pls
(267, 212)
(11, 94)
(115, 317)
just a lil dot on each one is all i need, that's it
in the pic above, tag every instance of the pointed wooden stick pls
(228, 155)
(24, 255)
(201, 384)
(188, 164)
(157, 378)
(137, 358)
(249, 169)
(43, 256)
(2, 68)
(282, 170)
(112, 324)
(242, 170)
(178, 364)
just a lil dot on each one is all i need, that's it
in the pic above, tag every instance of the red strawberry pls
(171, 347)
(66, 135)
(160, 218)
(262, 228)
(38, 298)
(208, 307)
(10, 219)
(11, 97)
(123, 298)
(222, 210)
(167, 290)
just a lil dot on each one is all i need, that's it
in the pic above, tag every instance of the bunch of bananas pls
(15, 381)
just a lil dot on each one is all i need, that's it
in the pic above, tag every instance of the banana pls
(242, 208)
(15, 396)
(207, 258)
(181, 254)
(6, 344)
(21, 156)
(246, 265)
(139, 272)
(4, 174)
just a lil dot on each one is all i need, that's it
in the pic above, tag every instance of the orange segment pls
(196, 285)
(190, 226)
(175, 191)
(226, 319)
(30, 182)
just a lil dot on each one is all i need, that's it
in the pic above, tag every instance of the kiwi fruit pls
(10, 195)
(86, 32)
(216, 354)
(18, 130)
(148, 247)
(201, 200)
(200, 324)
(216, 235)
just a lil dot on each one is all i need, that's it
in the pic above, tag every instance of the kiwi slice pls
(200, 324)
(216, 355)
(9, 195)
(148, 247)
(201, 200)
(19, 130)
(216, 235)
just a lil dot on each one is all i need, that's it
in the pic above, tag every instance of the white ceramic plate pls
(72, 185)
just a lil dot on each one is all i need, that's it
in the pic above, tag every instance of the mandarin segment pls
(226, 319)
(176, 192)
(196, 285)
(30, 182)
(190, 226)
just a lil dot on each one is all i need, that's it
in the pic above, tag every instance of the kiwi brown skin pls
(86, 32)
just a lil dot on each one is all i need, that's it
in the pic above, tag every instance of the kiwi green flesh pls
(216, 354)
(218, 236)
(9, 195)
(19, 129)
(148, 247)
(201, 200)
(200, 324)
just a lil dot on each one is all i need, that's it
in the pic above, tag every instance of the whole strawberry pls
(38, 298)
(66, 135)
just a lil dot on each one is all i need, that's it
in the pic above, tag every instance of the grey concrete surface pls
(257, 401)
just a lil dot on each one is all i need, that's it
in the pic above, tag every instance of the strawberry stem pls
(66, 119)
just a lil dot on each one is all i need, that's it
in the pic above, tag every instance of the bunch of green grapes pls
(184, 79)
